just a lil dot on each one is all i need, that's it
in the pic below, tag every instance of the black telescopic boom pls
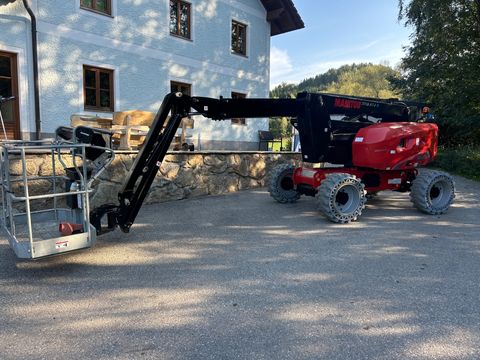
(150, 157)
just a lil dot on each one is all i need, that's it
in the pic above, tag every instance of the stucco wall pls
(136, 43)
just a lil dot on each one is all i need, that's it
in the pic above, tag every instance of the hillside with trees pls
(356, 79)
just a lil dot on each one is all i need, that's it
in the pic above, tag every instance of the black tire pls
(432, 192)
(341, 198)
(281, 186)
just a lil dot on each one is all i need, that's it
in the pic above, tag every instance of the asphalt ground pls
(243, 277)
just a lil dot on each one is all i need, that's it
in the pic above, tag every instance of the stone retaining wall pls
(182, 174)
(189, 174)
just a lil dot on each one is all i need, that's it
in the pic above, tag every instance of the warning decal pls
(61, 244)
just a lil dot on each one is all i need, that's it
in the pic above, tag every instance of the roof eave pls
(283, 16)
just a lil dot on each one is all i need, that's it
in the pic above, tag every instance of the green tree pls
(442, 66)
(280, 127)
(369, 80)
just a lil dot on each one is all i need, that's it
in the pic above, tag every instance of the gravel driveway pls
(243, 277)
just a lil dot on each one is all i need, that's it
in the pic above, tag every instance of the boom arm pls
(312, 113)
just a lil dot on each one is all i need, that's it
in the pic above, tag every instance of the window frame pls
(98, 89)
(107, 12)
(13, 127)
(180, 84)
(178, 19)
(238, 121)
(243, 51)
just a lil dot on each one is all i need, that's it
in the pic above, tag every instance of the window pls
(240, 121)
(180, 18)
(98, 88)
(239, 38)
(9, 87)
(101, 6)
(184, 88)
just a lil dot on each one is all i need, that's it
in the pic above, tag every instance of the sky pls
(336, 33)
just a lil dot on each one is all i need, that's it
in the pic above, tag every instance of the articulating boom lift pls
(379, 143)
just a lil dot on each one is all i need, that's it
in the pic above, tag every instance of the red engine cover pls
(395, 146)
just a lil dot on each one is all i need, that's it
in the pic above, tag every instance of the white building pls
(100, 56)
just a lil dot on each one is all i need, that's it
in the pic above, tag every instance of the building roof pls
(283, 16)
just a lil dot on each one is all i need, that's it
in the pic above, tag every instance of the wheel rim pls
(286, 183)
(347, 199)
(440, 194)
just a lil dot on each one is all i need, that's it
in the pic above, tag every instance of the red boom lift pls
(371, 144)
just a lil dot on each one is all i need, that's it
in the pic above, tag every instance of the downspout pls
(36, 88)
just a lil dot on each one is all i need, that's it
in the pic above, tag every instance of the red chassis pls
(374, 180)
(385, 157)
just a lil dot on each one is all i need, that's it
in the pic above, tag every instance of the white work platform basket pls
(45, 187)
